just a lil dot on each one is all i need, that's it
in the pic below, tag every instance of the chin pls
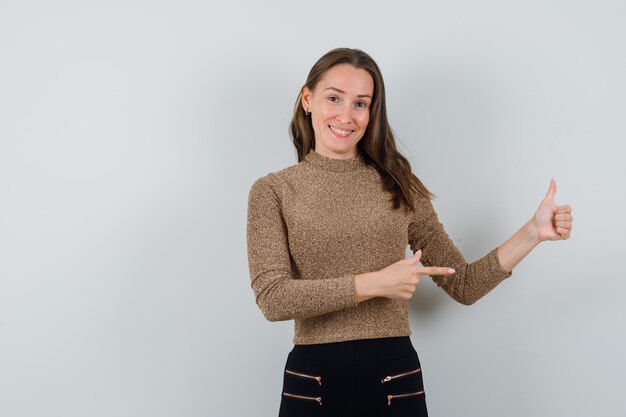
(341, 148)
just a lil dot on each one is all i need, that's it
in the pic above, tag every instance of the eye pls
(333, 99)
(361, 104)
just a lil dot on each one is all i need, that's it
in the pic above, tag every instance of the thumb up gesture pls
(553, 222)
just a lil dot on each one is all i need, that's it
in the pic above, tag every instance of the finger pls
(561, 232)
(408, 291)
(551, 191)
(435, 270)
(563, 217)
(564, 233)
(413, 258)
(563, 209)
(413, 280)
(564, 225)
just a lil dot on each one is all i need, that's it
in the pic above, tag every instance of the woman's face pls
(340, 110)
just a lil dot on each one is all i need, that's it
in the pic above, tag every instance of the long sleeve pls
(279, 292)
(471, 281)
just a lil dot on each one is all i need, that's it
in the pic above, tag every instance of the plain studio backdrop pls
(131, 132)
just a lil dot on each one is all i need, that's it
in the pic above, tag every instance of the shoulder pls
(424, 208)
(274, 182)
(419, 199)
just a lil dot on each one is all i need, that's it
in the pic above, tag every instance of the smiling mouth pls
(340, 132)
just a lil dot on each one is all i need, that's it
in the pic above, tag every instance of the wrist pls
(365, 285)
(531, 232)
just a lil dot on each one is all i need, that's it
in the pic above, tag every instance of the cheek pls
(325, 112)
(364, 120)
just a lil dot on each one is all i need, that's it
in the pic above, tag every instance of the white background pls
(131, 131)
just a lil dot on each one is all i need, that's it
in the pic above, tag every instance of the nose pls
(345, 114)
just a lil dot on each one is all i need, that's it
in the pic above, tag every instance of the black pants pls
(360, 378)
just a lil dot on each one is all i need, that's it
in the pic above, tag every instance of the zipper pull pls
(389, 397)
(319, 400)
(319, 380)
(387, 379)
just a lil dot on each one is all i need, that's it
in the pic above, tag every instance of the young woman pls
(326, 245)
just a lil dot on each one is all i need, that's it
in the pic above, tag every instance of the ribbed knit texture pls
(315, 225)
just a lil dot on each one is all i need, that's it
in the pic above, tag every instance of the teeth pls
(341, 132)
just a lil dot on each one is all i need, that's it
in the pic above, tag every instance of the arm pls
(279, 295)
(471, 281)
(550, 222)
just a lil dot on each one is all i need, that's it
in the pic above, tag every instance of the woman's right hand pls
(396, 281)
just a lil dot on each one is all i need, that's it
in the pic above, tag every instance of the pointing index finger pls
(436, 270)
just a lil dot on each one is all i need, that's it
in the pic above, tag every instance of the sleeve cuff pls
(497, 266)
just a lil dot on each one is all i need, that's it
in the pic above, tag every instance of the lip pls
(339, 135)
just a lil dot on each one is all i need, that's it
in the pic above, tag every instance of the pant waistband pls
(364, 350)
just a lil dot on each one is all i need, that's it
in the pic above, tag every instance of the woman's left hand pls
(553, 222)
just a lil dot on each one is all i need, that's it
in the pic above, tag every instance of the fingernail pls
(450, 270)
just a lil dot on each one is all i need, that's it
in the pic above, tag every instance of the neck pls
(326, 163)
(335, 155)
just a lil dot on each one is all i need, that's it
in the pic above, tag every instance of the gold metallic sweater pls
(313, 226)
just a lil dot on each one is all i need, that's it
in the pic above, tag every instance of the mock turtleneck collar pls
(332, 164)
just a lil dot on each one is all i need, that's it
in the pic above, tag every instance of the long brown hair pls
(377, 146)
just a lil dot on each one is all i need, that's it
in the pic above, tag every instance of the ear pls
(306, 98)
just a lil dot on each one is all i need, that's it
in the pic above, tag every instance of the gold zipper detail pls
(389, 378)
(317, 378)
(318, 399)
(410, 394)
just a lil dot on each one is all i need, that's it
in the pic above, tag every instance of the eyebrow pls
(343, 92)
